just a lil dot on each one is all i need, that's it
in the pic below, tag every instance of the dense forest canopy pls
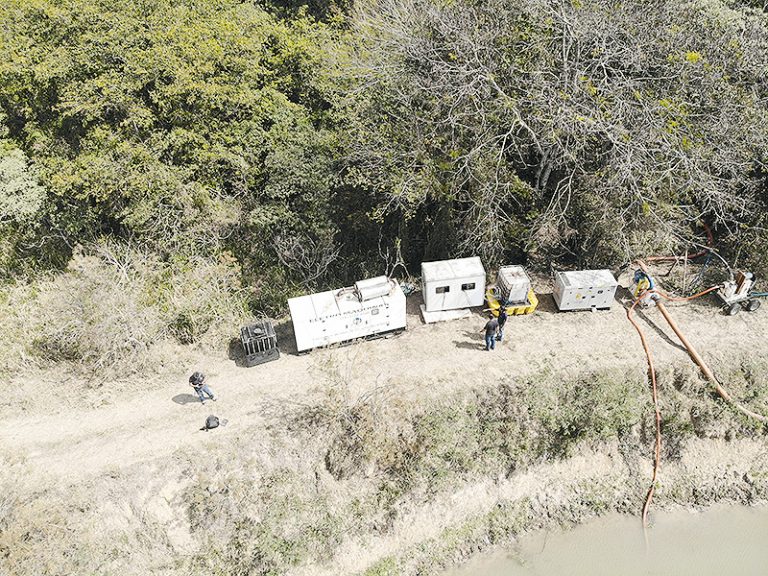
(206, 159)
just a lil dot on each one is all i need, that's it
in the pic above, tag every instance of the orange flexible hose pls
(654, 389)
(700, 253)
(683, 298)
(652, 371)
(705, 369)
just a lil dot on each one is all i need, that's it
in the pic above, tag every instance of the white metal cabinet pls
(584, 289)
(453, 284)
(513, 284)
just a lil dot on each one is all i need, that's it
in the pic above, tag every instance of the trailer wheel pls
(753, 305)
(733, 309)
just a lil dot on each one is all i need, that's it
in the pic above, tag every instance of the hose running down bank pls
(654, 390)
(722, 392)
(652, 372)
(695, 356)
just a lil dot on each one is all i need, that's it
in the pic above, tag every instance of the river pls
(722, 541)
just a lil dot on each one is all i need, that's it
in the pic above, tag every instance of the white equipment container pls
(585, 289)
(453, 284)
(371, 307)
(513, 284)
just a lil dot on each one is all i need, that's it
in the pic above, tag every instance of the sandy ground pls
(64, 443)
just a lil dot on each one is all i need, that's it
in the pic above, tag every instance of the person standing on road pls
(502, 322)
(197, 381)
(490, 332)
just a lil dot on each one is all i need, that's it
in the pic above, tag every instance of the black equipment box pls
(259, 343)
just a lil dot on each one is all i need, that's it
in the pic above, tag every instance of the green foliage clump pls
(385, 567)
(21, 194)
(595, 407)
(259, 525)
(187, 127)
(495, 430)
(21, 199)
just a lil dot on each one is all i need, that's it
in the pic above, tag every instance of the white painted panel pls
(584, 289)
(339, 315)
(516, 281)
(452, 274)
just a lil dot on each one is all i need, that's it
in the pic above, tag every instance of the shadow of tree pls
(413, 304)
(286, 339)
(547, 303)
(658, 330)
(236, 353)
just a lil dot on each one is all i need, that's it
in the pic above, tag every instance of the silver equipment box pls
(373, 288)
(513, 284)
(585, 289)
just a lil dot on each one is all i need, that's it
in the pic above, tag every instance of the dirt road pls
(153, 420)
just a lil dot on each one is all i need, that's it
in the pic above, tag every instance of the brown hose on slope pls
(652, 371)
(705, 369)
(695, 356)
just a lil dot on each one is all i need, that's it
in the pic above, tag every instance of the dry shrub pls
(36, 532)
(105, 526)
(19, 311)
(366, 434)
(200, 296)
(96, 313)
(114, 304)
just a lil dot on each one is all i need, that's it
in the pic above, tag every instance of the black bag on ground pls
(210, 423)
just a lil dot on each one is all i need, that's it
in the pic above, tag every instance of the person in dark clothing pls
(197, 381)
(490, 332)
(502, 322)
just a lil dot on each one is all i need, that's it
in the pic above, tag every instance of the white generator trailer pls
(369, 308)
(585, 290)
(453, 284)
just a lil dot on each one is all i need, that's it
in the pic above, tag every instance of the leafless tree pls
(309, 258)
(591, 119)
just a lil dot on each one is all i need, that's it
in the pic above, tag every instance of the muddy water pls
(723, 541)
